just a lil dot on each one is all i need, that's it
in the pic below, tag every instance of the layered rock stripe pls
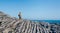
(14, 25)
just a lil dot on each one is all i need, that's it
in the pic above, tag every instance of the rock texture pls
(14, 25)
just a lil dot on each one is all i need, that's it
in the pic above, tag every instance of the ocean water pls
(49, 21)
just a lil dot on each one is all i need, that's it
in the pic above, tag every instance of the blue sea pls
(50, 21)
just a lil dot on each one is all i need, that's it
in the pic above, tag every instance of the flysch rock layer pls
(14, 25)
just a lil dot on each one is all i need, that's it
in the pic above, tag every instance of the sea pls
(49, 21)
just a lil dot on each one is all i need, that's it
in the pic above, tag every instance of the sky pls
(32, 9)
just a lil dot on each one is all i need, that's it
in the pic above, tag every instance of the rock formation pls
(14, 25)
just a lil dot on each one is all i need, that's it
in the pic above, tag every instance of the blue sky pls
(32, 9)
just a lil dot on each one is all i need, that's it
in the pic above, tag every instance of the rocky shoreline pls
(14, 25)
